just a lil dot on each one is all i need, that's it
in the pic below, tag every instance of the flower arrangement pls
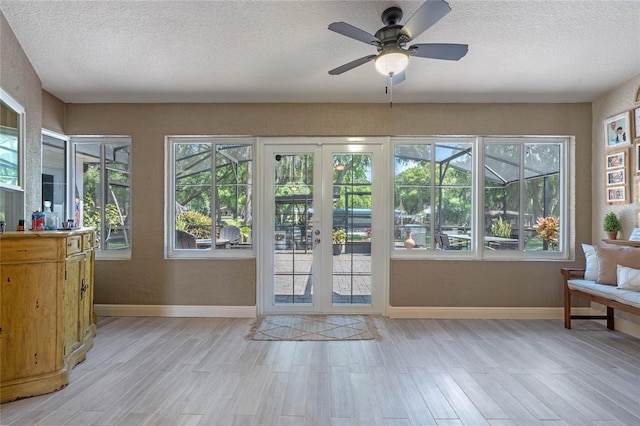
(548, 229)
(368, 231)
(280, 236)
(339, 236)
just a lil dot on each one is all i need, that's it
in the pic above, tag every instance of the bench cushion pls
(631, 298)
(610, 257)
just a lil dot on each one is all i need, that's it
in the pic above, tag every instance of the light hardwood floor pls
(201, 371)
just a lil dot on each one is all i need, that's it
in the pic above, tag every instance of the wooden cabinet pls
(46, 309)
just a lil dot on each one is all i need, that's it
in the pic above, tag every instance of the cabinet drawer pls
(29, 249)
(74, 244)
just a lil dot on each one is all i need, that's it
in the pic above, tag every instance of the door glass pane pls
(352, 233)
(293, 226)
(54, 175)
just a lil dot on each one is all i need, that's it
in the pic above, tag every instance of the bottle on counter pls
(51, 219)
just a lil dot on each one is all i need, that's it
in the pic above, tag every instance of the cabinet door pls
(28, 320)
(73, 335)
(86, 296)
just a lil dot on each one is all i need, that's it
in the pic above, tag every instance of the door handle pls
(316, 240)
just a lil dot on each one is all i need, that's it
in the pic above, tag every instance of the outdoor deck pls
(294, 284)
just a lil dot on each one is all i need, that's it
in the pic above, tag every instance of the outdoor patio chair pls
(446, 243)
(185, 240)
(231, 234)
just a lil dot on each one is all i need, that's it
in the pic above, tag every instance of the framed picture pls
(617, 194)
(616, 160)
(616, 177)
(635, 235)
(636, 122)
(616, 130)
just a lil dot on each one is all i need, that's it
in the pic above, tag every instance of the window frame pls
(170, 198)
(477, 251)
(74, 141)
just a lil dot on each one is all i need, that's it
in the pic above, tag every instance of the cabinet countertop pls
(44, 234)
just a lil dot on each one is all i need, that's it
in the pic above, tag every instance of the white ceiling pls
(281, 51)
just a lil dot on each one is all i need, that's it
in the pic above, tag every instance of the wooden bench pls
(576, 285)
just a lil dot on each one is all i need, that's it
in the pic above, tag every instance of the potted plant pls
(281, 240)
(339, 237)
(611, 225)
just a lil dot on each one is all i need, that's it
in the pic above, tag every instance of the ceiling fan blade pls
(351, 65)
(426, 16)
(447, 51)
(354, 32)
(393, 80)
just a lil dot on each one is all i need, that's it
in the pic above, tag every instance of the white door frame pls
(380, 261)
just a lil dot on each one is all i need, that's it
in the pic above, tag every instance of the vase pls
(409, 243)
(337, 249)
(611, 235)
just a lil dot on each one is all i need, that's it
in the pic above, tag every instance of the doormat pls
(314, 327)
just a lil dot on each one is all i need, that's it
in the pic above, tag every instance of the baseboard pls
(174, 311)
(481, 312)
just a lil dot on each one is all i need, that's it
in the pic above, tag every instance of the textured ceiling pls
(281, 51)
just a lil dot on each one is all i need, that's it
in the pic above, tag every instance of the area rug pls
(314, 327)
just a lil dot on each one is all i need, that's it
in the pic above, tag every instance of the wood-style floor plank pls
(202, 371)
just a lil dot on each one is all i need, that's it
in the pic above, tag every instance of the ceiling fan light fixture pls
(392, 63)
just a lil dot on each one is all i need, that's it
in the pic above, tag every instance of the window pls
(102, 192)
(11, 141)
(523, 195)
(11, 160)
(510, 202)
(209, 208)
(432, 191)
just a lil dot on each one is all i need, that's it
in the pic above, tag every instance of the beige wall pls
(53, 111)
(19, 79)
(149, 279)
(613, 103)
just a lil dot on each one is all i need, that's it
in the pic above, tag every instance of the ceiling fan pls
(390, 40)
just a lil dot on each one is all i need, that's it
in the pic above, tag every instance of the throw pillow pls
(628, 278)
(610, 257)
(591, 266)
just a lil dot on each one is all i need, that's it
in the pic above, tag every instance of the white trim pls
(483, 312)
(106, 310)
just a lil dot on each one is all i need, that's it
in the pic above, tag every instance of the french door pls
(323, 225)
